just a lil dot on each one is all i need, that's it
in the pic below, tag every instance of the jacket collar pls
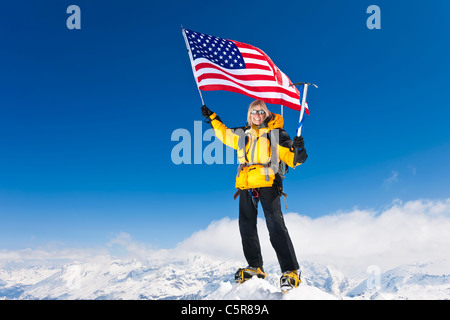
(275, 121)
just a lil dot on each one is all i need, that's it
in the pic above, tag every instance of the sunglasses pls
(258, 112)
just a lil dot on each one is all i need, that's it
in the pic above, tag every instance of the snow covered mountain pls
(414, 281)
(199, 277)
(398, 253)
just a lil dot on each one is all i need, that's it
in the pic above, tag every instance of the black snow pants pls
(279, 236)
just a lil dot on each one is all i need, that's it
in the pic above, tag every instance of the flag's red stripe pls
(257, 66)
(255, 96)
(267, 89)
(239, 77)
(255, 77)
(253, 56)
(248, 66)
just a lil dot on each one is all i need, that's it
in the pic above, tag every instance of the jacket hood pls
(275, 121)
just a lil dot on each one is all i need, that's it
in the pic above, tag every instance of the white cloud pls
(403, 233)
(221, 238)
(124, 247)
(51, 255)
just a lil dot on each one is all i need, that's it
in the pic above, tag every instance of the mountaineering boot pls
(244, 274)
(289, 280)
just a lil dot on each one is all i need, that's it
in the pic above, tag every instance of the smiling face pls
(258, 115)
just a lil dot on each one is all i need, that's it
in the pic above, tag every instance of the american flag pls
(221, 64)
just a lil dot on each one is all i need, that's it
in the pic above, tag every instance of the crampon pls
(289, 280)
(244, 274)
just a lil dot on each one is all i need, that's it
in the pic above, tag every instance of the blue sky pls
(86, 116)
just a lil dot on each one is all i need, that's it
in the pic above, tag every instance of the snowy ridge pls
(199, 277)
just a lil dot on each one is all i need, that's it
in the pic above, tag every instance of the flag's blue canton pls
(217, 50)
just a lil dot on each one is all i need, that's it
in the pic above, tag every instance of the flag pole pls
(303, 103)
(192, 62)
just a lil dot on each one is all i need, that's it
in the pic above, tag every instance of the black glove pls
(206, 112)
(300, 154)
(299, 143)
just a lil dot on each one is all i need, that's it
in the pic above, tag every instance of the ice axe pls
(302, 106)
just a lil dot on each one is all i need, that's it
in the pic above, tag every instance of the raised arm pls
(224, 134)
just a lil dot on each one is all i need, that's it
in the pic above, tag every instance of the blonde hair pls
(257, 103)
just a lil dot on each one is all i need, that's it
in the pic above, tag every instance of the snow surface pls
(200, 277)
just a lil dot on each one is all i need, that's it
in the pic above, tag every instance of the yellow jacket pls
(259, 151)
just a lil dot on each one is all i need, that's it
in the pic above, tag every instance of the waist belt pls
(265, 165)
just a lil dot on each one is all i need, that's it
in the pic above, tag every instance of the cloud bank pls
(403, 233)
